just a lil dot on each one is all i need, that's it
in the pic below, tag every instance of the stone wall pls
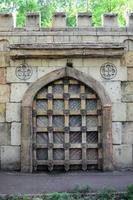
(13, 87)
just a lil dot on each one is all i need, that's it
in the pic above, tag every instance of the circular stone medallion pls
(108, 71)
(24, 72)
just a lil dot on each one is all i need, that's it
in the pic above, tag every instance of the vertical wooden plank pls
(82, 89)
(84, 142)
(50, 88)
(34, 136)
(50, 132)
(84, 131)
(99, 116)
(66, 88)
(83, 104)
(50, 140)
(66, 134)
(66, 105)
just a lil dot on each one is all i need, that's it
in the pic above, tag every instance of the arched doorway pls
(67, 126)
(66, 123)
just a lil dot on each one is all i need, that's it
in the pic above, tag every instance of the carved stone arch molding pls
(26, 133)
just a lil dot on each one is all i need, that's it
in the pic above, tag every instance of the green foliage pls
(71, 7)
(37, 198)
(129, 192)
(106, 194)
(24, 7)
(79, 193)
(13, 197)
(59, 196)
(82, 189)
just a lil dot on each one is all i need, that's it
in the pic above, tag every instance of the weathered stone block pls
(2, 112)
(31, 62)
(33, 21)
(127, 136)
(61, 39)
(2, 76)
(98, 62)
(45, 70)
(10, 157)
(129, 19)
(5, 134)
(122, 155)
(75, 38)
(12, 76)
(119, 112)
(94, 66)
(59, 20)
(88, 38)
(105, 38)
(4, 45)
(17, 91)
(7, 21)
(113, 89)
(13, 112)
(129, 111)
(117, 132)
(127, 91)
(83, 69)
(34, 62)
(27, 39)
(110, 20)
(121, 74)
(130, 74)
(15, 63)
(4, 93)
(45, 63)
(78, 62)
(15, 133)
(128, 44)
(15, 39)
(84, 20)
(4, 59)
(56, 63)
(45, 38)
(129, 58)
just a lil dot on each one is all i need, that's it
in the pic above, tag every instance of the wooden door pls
(67, 127)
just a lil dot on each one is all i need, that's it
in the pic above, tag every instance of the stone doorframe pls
(26, 130)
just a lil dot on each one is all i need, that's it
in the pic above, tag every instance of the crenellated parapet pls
(129, 19)
(110, 20)
(33, 21)
(84, 20)
(7, 22)
(59, 20)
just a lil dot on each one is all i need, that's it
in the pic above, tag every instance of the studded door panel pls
(67, 127)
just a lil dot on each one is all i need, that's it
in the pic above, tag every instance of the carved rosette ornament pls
(108, 71)
(24, 71)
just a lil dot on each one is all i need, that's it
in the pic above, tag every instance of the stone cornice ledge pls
(66, 50)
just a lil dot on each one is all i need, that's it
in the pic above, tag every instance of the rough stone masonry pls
(29, 53)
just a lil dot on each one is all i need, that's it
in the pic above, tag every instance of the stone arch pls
(128, 44)
(26, 132)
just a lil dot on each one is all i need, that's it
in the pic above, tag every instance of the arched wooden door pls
(67, 127)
